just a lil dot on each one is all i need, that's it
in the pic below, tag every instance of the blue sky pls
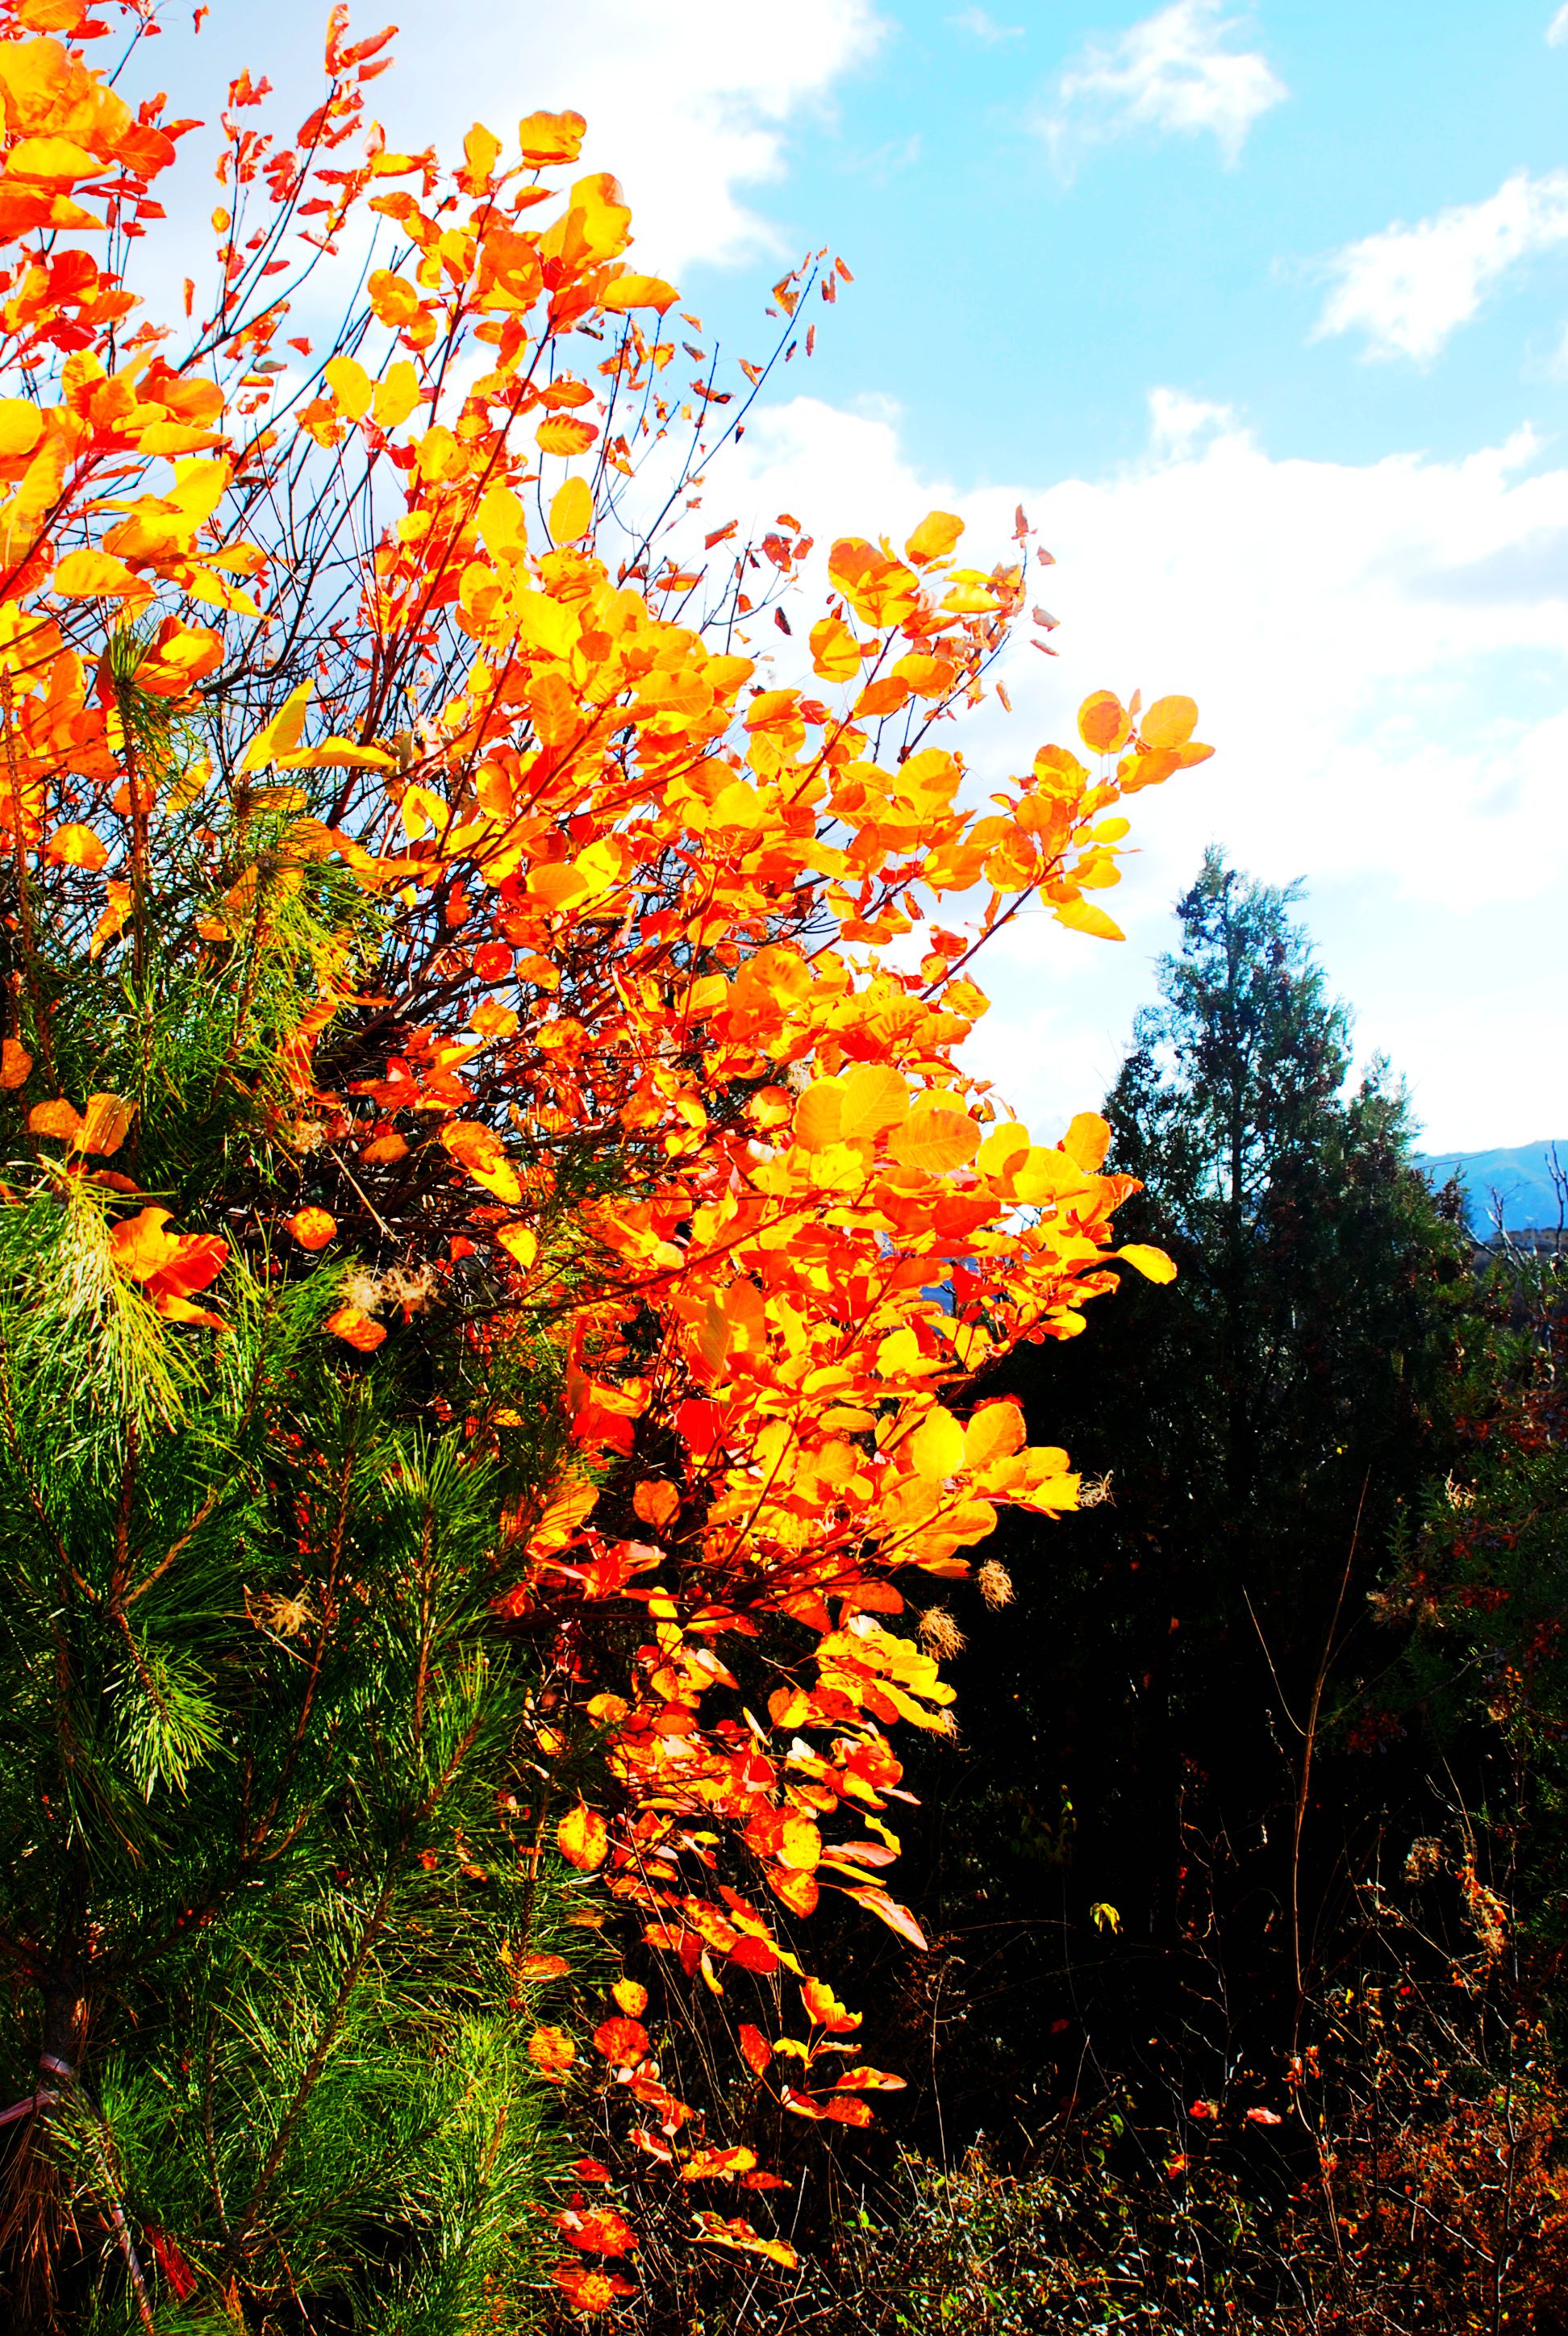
(1263, 312)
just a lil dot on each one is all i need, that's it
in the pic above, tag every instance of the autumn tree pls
(475, 1365)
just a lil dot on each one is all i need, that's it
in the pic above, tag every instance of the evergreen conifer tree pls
(1253, 1435)
(265, 1882)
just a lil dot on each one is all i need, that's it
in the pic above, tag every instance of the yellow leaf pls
(572, 511)
(1087, 1141)
(875, 1099)
(21, 427)
(937, 1446)
(521, 1243)
(934, 538)
(1084, 917)
(819, 1115)
(639, 292)
(1152, 1263)
(799, 1845)
(282, 734)
(350, 385)
(1008, 1143)
(335, 754)
(396, 396)
(995, 1432)
(93, 575)
(583, 1837)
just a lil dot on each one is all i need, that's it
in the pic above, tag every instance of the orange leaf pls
(583, 1837)
(15, 1064)
(655, 1503)
(823, 2010)
(754, 2048)
(75, 846)
(356, 1329)
(91, 575)
(105, 1124)
(897, 1918)
(1103, 723)
(533, 1967)
(59, 1118)
(622, 2041)
(599, 2231)
(180, 656)
(550, 137)
(551, 2049)
(836, 652)
(587, 2290)
(139, 1245)
(563, 434)
(819, 1115)
(1169, 722)
(936, 1137)
(311, 1228)
(740, 2238)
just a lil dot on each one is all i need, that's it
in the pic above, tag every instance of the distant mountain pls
(1519, 1179)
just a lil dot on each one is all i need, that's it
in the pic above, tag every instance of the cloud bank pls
(1174, 73)
(1409, 289)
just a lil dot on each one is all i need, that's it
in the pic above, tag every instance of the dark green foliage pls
(261, 1848)
(1162, 1724)
(264, 1866)
(1480, 1596)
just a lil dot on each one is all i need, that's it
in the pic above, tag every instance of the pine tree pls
(266, 1881)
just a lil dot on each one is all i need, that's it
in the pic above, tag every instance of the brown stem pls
(42, 1025)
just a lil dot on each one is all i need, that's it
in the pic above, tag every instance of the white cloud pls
(693, 107)
(1407, 288)
(1557, 30)
(984, 28)
(1380, 652)
(1173, 73)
